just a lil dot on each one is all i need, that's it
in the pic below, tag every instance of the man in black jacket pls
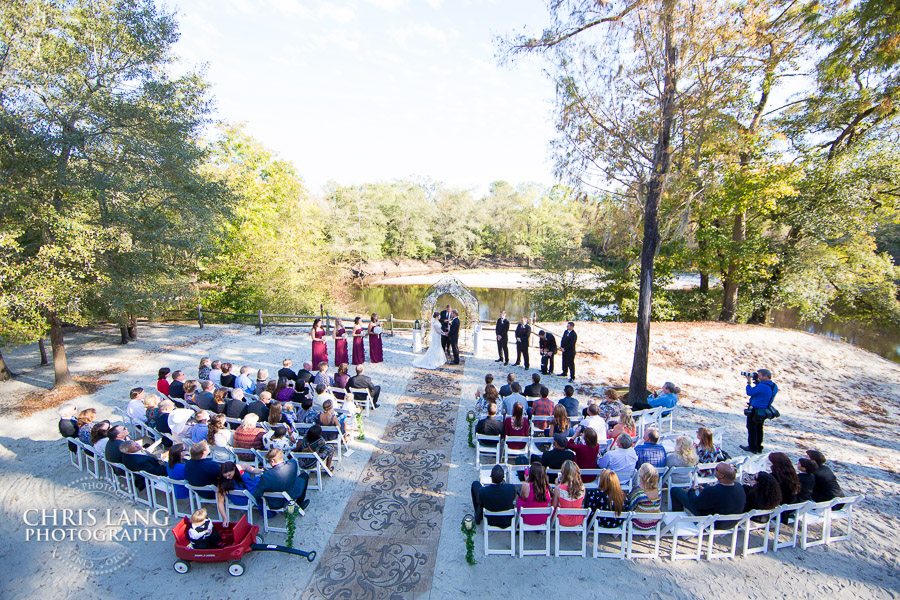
(826, 486)
(235, 407)
(134, 459)
(567, 343)
(304, 377)
(201, 470)
(364, 382)
(503, 338)
(176, 388)
(523, 337)
(282, 477)
(260, 407)
(444, 319)
(490, 425)
(453, 336)
(533, 390)
(113, 451)
(556, 456)
(204, 400)
(723, 498)
(548, 351)
(286, 372)
(496, 497)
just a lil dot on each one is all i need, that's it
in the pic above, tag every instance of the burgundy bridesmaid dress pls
(340, 348)
(319, 349)
(359, 349)
(375, 355)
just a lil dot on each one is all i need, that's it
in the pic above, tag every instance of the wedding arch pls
(454, 287)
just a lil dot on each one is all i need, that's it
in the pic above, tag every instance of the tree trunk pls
(5, 373)
(60, 362)
(704, 282)
(43, 350)
(729, 298)
(132, 328)
(123, 331)
(637, 386)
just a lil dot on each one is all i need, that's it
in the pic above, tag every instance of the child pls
(201, 532)
(278, 438)
(287, 410)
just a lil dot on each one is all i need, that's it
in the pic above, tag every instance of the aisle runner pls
(386, 541)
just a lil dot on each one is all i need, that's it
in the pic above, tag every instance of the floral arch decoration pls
(454, 287)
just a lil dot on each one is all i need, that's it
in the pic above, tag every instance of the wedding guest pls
(593, 421)
(707, 450)
(626, 424)
(806, 474)
(502, 331)
(489, 398)
(261, 406)
(67, 423)
(340, 343)
(200, 430)
(314, 442)
(328, 418)
(235, 407)
(506, 389)
(516, 425)
(570, 402)
(319, 346)
(215, 373)
(162, 381)
(684, 455)
(557, 455)
(783, 471)
(190, 392)
(764, 494)
(271, 387)
(228, 377)
(516, 396)
(535, 493)
(542, 407)
(278, 438)
(117, 435)
(567, 345)
(262, 381)
(248, 436)
(284, 392)
(285, 372)
(622, 459)
(175, 470)
(569, 493)
(276, 415)
(827, 486)
(341, 378)
(322, 377)
(99, 437)
(234, 477)
(496, 497)
(204, 370)
(666, 397)
(523, 337)
(359, 348)
(176, 388)
(135, 409)
(560, 422)
(533, 390)
(490, 425)
(362, 381)
(84, 423)
(304, 378)
(612, 407)
(375, 330)
(608, 496)
(218, 433)
(206, 397)
(650, 450)
(645, 496)
(151, 409)
(243, 381)
(586, 449)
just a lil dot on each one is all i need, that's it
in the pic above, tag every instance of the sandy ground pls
(835, 397)
(506, 279)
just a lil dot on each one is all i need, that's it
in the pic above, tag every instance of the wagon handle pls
(310, 556)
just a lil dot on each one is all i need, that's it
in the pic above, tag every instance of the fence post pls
(259, 323)
(327, 323)
(392, 324)
(200, 315)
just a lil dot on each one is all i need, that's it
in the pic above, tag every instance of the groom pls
(453, 336)
(445, 326)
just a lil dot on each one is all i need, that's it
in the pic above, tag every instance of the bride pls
(435, 356)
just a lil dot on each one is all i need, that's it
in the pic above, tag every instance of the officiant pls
(445, 328)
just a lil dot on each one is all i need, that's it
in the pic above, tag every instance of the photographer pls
(762, 393)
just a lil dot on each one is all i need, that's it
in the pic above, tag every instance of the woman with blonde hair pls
(608, 496)
(645, 497)
(684, 455)
(248, 436)
(707, 449)
(626, 424)
(151, 406)
(204, 369)
(190, 391)
(85, 422)
(560, 422)
(569, 493)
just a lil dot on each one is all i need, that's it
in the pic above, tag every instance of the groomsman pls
(523, 335)
(568, 351)
(503, 338)
(548, 352)
(445, 327)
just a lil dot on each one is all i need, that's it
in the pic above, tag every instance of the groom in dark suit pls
(548, 352)
(567, 344)
(453, 336)
(523, 336)
(445, 326)
(503, 338)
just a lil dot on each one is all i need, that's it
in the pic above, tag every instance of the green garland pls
(359, 426)
(290, 515)
(471, 419)
(470, 542)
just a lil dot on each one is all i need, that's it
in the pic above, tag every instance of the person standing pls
(319, 347)
(453, 336)
(568, 351)
(548, 352)
(523, 336)
(445, 327)
(503, 338)
(375, 331)
(359, 347)
(762, 394)
(340, 343)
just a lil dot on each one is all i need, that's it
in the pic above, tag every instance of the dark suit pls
(68, 428)
(260, 409)
(567, 343)
(176, 389)
(503, 340)
(444, 319)
(138, 462)
(235, 409)
(523, 336)
(489, 426)
(495, 497)
(364, 382)
(112, 452)
(162, 426)
(202, 472)
(532, 391)
(548, 353)
(554, 459)
(305, 377)
(285, 477)
(287, 373)
(204, 400)
(826, 485)
(453, 339)
(506, 390)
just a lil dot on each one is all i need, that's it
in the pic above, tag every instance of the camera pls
(752, 374)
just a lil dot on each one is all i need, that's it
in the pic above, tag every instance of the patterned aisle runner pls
(386, 541)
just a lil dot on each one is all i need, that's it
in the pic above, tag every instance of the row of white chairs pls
(641, 535)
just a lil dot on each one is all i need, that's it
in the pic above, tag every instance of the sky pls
(360, 91)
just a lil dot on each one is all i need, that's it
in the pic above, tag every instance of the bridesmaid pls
(375, 355)
(319, 347)
(359, 349)
(340, 343)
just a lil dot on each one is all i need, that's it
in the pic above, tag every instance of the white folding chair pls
(233, 502)
(73, 445)
(340, 394)
(621, 531)
(581, 527)
(370, 404)
(145, 496)
(166, 485)
(543, 528)
(790, 515)
(676, 477)
(669, 414)
(817, 515)
(626, 480)
(267, 508)
(718, 435)
(595, 473)
(91, 460)
(487, 444)
(321, 466)
(681, 526)
(730, 526)
(511, 530)
(510, 454)
(752, 525)
(197, 499)
(338, 442)
(117, 475)
(845, 513)
(639, 531)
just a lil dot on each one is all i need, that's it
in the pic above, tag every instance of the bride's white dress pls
(435, 357)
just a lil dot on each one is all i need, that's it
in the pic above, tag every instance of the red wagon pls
(238, 539)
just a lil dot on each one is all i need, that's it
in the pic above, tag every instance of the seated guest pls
(783, 471)
(227, 377)
(626, 424)
(329, 418)
(608, 496)
(151, 409)
(276, 415)
(204, 370)
(666, 397)
(176, 388)
(307, 413)
(488, 380)
(284, 392)
(271, 387)
(243, 381)
(236, 408)
(314, 442)
(685, 455)
(723, 498)
(201, 533)
(764, 494)
(557, 455)
(282, 477)
(594, 421)
(67, 424)
(644, 498)
(535, 493)
(285, 372)
(490, 425)
(569, 493)
(611, 407)
(215, 373)
(542, 407)
(248, 435)
(175, 470)
(488, 398)
(534, 389)
(322, 394)
(322, 377)
(220, 402)
(232, 479)
(162, 421)
(586, 448)
(200, 430)
(201, 470)
(135, 460)
(506, 390)
(260, 407)
(288, 416)
(135, 409)
(495, 497)
(191, 389)
(651, 451)
(361, 381)
(162, 381)
(304, 376)
(218, 433)
(205, 399)
(707, 451)
(113, 451)
(510, 399)
(826, 487)
(99, 437)
(262, 381)
(85, 422)
(570, 402)
(278, 437)
(341, 378)
(621, 459)
(560, 422)
(179, 424)
(806, 474)
(516, 425)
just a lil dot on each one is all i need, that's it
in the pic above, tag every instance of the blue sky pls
(376, 90)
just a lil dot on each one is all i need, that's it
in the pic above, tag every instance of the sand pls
(838, 398)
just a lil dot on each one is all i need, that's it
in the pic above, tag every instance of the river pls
(405, 302)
